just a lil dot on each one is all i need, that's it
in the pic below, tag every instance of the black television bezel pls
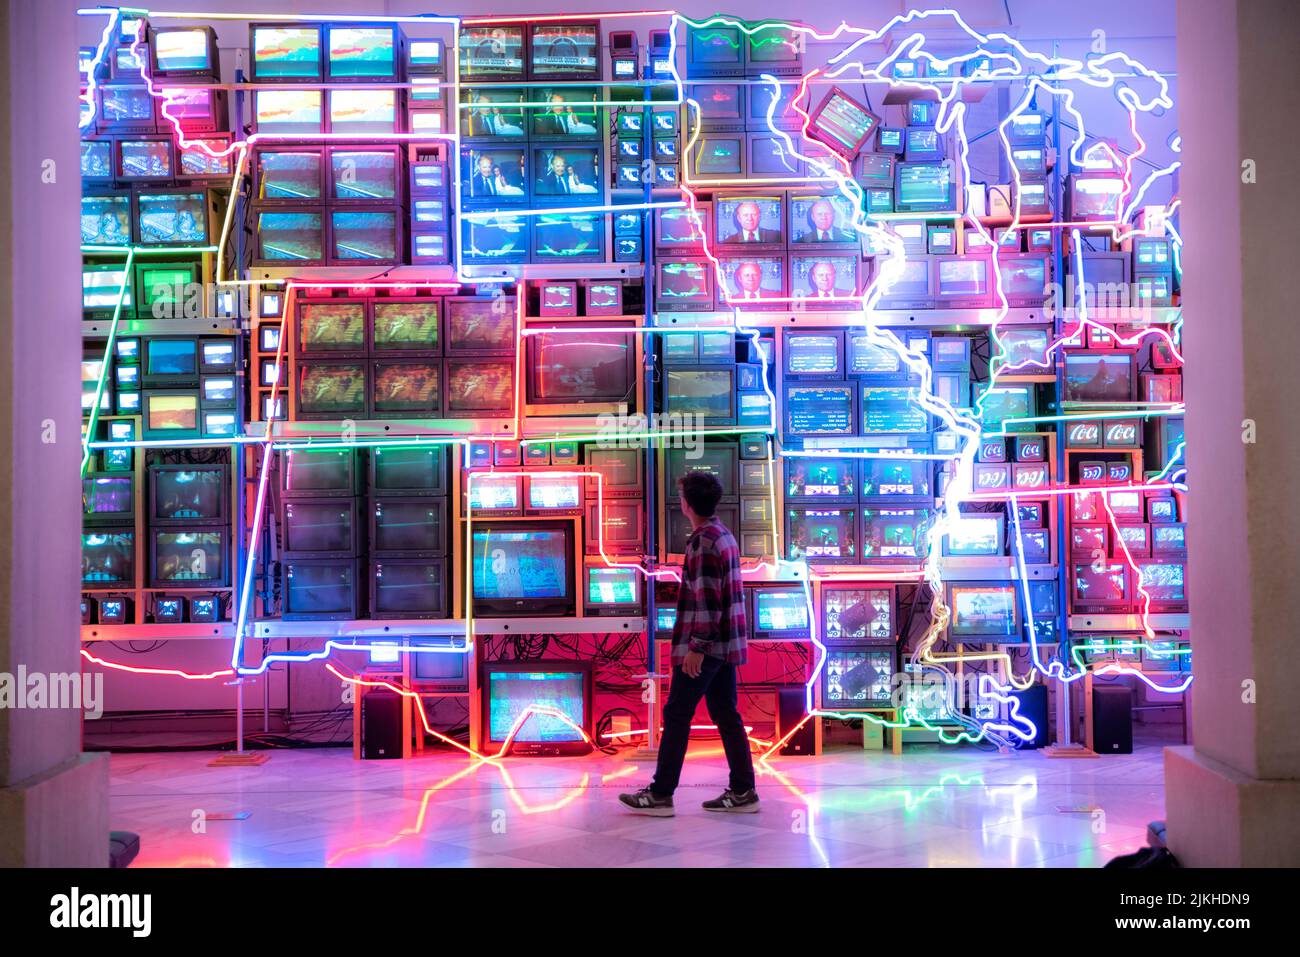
(787, 519)
(828, 589)
(422, 683)
(513, 258)
(531, 748)
(354, 606)
(150, 380)
(214, 61)
(481, 513)
(596, 609)
(348, 505)
(431, 411)
(530, 67)
(906, 302)
(103, 189)
(353, 486)
(307, 210)
(127, 128)
(593, 519)
(562, 606)
(603, 488)
(398, 233)
(375, 566)
(144, 309)
(1133, 382)
(728, 513)
(439, 486)
(95, 519)
(839, 704)
(701, 124)
(1160, 605)
(157, 519)
(220, 581)
(731, 247)
(850, 385)
(256, 77)
(978, 638)
(125, 584)
(491, 412)
(719, 368)
(442, 523)
(788, 67)
(779, 634)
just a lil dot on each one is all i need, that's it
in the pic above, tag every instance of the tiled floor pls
(933, 806)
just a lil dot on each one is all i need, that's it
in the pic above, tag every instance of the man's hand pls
(692, 663)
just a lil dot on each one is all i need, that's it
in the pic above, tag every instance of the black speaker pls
(790, 711)
(1112, 719)
(1033, 707)
(381, 725)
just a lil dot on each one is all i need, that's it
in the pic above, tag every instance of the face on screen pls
(561, 172)
(821, 219)
(823, 277)
(495, 174)
(750, 279)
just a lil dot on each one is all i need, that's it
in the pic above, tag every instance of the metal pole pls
(648, 360)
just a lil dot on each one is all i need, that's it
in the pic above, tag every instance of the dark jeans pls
(717, 686)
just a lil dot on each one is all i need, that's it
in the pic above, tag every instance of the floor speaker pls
(1033, 708)
(381, 725)
(790, 711)
(1112, 719)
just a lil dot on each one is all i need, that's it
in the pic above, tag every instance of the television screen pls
(568, 112)
(1024, 279)
(181, 50)
(867, 358)
(895, 478)
(704, 392)
(820, 478)
(521, 563)
(564, 50)
(198, 162)
(489, 239)
(494, 173)
(842, 123)
(893, 411)
(592, 367)
(107, 558)
(714, 47)
(288, 174)
(718, 459)
(822, 218)
(821, 534)
(1107, 585)
(97, 159)
(171, 357)
(369, 175)
(369, 236)
(407, 388)
(332, 327)
(683, 285)
(819, 276)
(780, 609)
(321, 526)
(749, 220)
(408, 525)
(984, 611)
(613, 586)
(144, 159)
(336, 389)
(721, 104)
(286, 52)
(189, 493)
(619, 469)
(895, 533)
(718, 156)
(189, 557)
(1095, 198)
(407, 326)
(912, 283)
(923, 187)
(411, 588)
(1024, 345)
(1168, 538)
(449, 666)
(819, 410)
(568, 237)
(749, 278)
(479, 386)
(413, 470)
(1164, 581)
(106, 220)
(962, 279)
(858, 677)
(361, 52)
(509, 690)
(493, 111)
(813, 353)
(320, 589)
(769, 156)
(554, 491)
(319, 472)
(681, 228)
(108, 495)
(495, 51)
(363, 112)
(129, 107)
(101, 288)
(498, 493)
(481, 326)
(173, 219)
(857, 612)
(1095, 377)
(288, 112)
(976, 535)
(563, 171)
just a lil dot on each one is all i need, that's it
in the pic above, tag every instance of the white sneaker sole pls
(653, 811)
(741, 809)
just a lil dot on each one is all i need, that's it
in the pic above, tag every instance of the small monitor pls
(1099, 377)
(984, 612)
(719, 156)
(286, 51)
(842, 123)
(480, 387)
(613, 590)
(568, 50)
(715, 50)
(493, 51)
(189, 558)
(1095, 198)
(819, 353)
(924, 187)
(888, 410)
(188, 493)
(705, 391)
(107, 558)
(183, 51)
(856, 612)
(821, 533)
(780, 613)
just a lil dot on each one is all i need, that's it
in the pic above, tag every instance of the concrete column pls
(1233, 799)
(53, 798)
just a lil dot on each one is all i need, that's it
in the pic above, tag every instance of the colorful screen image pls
(520, 564)
(324, 389)
(963, 277)
(364, 236)
(106, 220)
(613, 586)
(172, 357)
(1091, 377)
(814, 534)
(410, 387)
(172, 413)
(719, 45)
(1164, 581)
(1024, 278)
(821, 219)
(678, 228)
(1168, 538)
(809, 353)
(493, 493)
(1024, 345)
(188, 106)
(752, 278)
(107, 558)
(857, 613)
(289, 174)
(1095, 197)
(511, 693)
(407, 326)
(704, 392)
(496, 51)
(749, 219)
(566, 171)
(107, 495)
(824, 277)
(719, 156)
(363, 112)
(780, 610)
(480, 386)
(290, 236)
(481, 325)
(1107, 584)
(868, 358)
(842, 122)
(924, 185)
(984, 611)
(588, 367)
(896, 533)
(554, 491)
(126, 104)
(286, 52)
(197, 159)
(332, 327)
(896, 477)
(568, 112)
(181, 51)
(145, 159)
(101, 288)
(496, 172)
(288, 112)
(493, 111)
(189, 556)
(361, 52)
(824, 478)
(96, 159)
(565, 50)
(568, 236)
(682, 283)
(498, 238)
(861, 677)
(173, 219)
(893, 411)
(189, 493)
(976, 535)
(717, 101)
(364, 174)
(819, 410)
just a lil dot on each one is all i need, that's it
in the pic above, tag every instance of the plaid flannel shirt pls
(711, 600)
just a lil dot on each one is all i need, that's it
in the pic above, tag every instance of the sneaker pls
(646, 802)
(733, 803)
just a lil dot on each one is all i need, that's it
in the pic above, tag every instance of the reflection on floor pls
(933, 806)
